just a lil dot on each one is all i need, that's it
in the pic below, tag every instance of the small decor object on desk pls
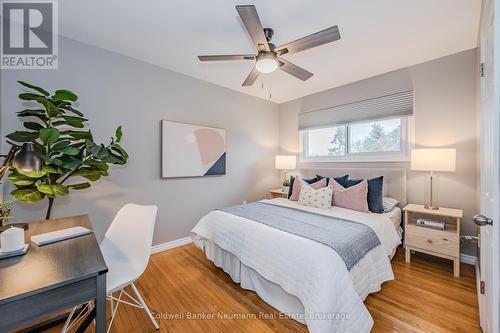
(56, 134)
(5, 215)
(5, 207)
(59, 235)
(12, 243)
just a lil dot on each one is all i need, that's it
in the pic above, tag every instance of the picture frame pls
(192, 150)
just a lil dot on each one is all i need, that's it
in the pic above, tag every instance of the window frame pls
(406, 144)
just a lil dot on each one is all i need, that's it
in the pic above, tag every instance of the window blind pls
(397, 104)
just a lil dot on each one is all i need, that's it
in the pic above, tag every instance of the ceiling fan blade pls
(251, 20)
(254, 74)
(294, 70)
(319, 38)
(226, 57)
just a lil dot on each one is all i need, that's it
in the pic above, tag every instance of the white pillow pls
(321, 198)
(389, 204)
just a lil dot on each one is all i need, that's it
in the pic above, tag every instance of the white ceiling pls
(377, 36)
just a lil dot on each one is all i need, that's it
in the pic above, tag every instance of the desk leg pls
(100, 304)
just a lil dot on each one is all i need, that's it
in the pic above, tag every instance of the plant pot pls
(285, 188)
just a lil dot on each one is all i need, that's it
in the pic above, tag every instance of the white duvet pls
(332, 296)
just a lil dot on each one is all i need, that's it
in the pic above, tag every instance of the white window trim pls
(407, 140)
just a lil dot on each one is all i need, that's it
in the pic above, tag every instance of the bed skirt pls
(249, 279)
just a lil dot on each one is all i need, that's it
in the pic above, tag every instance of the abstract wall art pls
(190, 150)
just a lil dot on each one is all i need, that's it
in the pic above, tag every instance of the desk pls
(53, 277)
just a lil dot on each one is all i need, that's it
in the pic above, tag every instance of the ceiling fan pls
(269, 57)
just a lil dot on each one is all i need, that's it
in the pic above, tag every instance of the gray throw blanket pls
(351, 240)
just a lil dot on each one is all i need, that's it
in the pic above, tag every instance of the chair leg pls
(68, 321)
(141, 300)
(115, 308)
(111, 305)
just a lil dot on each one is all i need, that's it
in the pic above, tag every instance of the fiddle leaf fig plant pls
(71, 160)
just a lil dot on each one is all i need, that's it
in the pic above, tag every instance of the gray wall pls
(114, 90)
(446, 115)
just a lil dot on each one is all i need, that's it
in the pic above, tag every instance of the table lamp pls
(433, 160)
(285, 162)
(23, 157)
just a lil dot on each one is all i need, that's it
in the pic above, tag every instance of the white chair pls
(126, 248)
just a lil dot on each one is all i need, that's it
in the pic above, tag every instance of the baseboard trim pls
(467, 259)
(170, 245)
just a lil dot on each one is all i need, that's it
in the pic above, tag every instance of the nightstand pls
(278, 193)
(440, 243)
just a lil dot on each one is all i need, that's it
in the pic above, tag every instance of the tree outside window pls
(356, 138)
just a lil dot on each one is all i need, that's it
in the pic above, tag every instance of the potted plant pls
(5, 207)
(286, 185)
(67, 149)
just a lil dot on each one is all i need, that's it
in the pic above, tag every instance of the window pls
(379, 140)
(330, 141)
(377, 136)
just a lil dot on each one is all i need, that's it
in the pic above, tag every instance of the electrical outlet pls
(473, 239)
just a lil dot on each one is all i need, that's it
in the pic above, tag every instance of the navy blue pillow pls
(341, 180)
(309, 181)
(375, 186)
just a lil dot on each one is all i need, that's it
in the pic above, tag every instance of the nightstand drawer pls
(444, 242)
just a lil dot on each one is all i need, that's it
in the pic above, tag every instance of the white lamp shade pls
(434, 159)
(285, 162)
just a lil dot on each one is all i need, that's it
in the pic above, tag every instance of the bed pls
(301, 277)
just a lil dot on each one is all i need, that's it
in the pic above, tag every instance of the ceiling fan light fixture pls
(267, 62)
(269, 58)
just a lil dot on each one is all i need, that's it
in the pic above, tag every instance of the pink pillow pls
(354, 197)
(297, 185)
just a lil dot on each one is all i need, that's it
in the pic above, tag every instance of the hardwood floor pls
(424, 297)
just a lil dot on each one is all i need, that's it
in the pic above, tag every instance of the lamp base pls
(431, 194)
